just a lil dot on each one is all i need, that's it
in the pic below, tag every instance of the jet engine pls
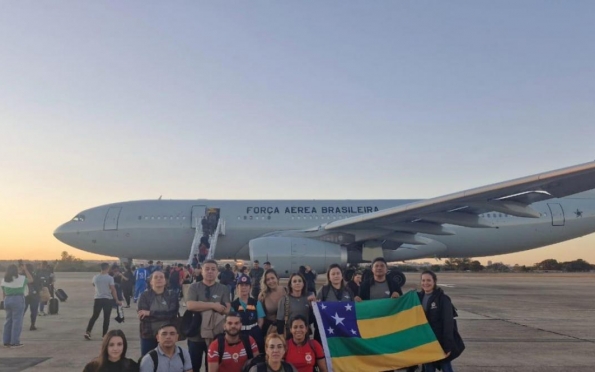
(288, 254)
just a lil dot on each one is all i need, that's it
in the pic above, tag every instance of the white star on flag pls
(348, 307)
(354, 331)
(323, 306)
(330, 331)
(338, 319)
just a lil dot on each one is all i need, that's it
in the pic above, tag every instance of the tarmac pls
(509, 322)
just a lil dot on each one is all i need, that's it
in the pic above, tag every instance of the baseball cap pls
(244, 279)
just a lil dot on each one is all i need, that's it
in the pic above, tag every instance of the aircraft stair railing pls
(196, 240)
(214, 238)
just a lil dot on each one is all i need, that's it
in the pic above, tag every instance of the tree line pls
(468, 264)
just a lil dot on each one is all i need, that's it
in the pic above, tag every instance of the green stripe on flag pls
(385, 307)
(389, 344)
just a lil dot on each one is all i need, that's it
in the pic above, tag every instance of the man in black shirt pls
(379, 286)
(256, 274)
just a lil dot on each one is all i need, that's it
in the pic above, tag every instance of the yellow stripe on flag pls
(369, 363)
(370, 328)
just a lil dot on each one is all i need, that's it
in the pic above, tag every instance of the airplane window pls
(184, 217)
(239, 218)
(146, 217)
(269, 217)
(245, 217)
(251, 217)
(158, 217)
(152, 217)
(79, 218)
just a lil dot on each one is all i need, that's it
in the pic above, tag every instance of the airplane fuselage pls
(164, 229)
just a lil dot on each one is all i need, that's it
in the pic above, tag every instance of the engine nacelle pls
(288, 254)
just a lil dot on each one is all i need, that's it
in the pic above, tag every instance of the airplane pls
(505, 217)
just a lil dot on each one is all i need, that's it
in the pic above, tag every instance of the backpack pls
(252, 360)
(226, 277)
(262, 367)
(155, 357)
(44, 278)
(245, 340)
(174, 277)
(459, 344)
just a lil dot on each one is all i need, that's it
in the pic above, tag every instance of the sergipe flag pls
(376, 335)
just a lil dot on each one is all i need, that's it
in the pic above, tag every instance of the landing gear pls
(398, 276)
(393, 274)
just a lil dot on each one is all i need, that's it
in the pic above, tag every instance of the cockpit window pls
(79, 218)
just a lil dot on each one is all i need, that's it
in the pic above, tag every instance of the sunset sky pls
(112, 101)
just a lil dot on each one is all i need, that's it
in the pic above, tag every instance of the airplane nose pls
(62, 233)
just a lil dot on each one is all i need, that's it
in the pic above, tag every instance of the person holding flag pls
(391, 332)
(440, 314)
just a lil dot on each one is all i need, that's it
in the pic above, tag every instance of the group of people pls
(262, 320)
(24, 287)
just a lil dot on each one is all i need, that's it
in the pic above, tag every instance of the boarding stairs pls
(220, 230)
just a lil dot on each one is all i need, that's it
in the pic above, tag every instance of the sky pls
(110, 101)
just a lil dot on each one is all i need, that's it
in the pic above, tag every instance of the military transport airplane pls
(510, 216)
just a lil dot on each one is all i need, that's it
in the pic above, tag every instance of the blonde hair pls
(273, 336)
(264, 288)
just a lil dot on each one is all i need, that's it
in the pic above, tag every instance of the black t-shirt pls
(122, 365)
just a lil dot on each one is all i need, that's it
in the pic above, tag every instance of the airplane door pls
(111, 218)
(198, 212)
(557, 214)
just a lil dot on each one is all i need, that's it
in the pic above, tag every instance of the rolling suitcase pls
(54, 304)
(62, 296)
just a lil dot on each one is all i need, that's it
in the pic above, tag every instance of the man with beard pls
(231, 351)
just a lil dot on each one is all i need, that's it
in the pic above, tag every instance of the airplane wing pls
(464, 208)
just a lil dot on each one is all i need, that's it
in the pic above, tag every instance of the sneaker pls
(6, 345)
(33, 327)
(42, 313)
(87, 336)
(16, 346)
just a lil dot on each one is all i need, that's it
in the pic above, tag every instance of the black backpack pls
(252, 360)
(262, 367)
(226, 277)
(155, 357)
(459, 344)
(174, 277)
